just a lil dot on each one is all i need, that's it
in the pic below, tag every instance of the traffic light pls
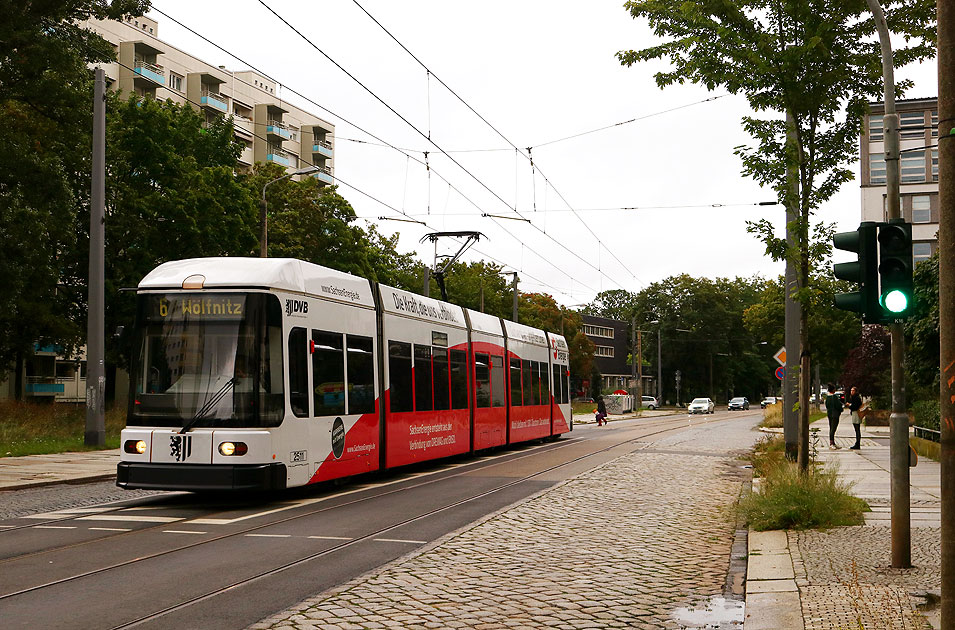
(895, 270)
(864, 272)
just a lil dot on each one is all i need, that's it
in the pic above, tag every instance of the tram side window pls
(361, 375)
(560, 391)
(442, 382)
(459, 379)
(498, 396)
(545, 383)
(516, 399)
(566, 379)
(399, 372)
(528, 381)
(536, 383)
(482, 376)
(423, 393)
(328, 373)
(298, 372)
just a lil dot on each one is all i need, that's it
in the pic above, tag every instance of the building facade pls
(269, 128)
(918, 125)
(612, 348)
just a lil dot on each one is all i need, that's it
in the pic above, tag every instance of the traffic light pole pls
(899, 419)
(946, 297)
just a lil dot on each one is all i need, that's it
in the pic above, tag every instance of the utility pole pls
(426, 289)
(95, 324)
(899, 419)
(659, 370)
(793, 310)
(639, 401)
(635, 389)
(946, 296)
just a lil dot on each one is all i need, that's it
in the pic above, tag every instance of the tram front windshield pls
(208, 360)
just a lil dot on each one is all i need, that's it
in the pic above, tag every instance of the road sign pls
(780, 356)
(780, 372)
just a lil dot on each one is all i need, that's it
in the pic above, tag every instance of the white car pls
(649, 402)
(701, 405)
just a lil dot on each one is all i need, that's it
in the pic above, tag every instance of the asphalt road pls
(177, 560)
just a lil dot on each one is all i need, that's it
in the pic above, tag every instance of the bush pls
(927, 414)
(788, 499)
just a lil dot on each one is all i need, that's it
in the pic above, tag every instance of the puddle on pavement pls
(717, 613)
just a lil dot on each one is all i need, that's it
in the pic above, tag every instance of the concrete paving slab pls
(772, 566)
(772, 540)
(773, 611)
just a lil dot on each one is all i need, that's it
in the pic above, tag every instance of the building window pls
(598, 331)
(876, 168)
(935, 161)
(934, 123)
(912, 125)
(603, 351)
(913, 166)
(175, 82)
(921, 252)
(876, 132)
(921, 209)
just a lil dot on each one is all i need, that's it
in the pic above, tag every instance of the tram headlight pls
(233, 448)
(136, 447)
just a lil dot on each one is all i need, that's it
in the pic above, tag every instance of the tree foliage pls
(867, 367)
(922, 333)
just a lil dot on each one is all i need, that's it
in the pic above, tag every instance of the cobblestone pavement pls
(620, 546)
(24, 501)
(844, 575)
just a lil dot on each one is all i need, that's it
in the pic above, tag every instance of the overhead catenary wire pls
(506, 139)
(419, 132)
(355, 125)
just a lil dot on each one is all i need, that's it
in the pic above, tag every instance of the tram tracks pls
(656, 427)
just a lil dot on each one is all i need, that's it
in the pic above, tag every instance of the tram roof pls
(286, 274)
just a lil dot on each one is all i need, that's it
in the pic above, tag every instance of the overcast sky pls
(538, 72)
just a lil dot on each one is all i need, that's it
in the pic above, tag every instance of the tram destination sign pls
(178, 307)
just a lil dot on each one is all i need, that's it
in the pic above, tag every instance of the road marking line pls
(269, 535)
(398, 540)
(181, 531)
(7, 526)
(110, 529)
(54, 527)
(331, 538)
(131, 518)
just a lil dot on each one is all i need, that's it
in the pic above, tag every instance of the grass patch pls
(772, 416)
(788, 499)
(29, 428)
(583, 407)
(926, 448)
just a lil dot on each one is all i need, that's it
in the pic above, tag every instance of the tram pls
(269, 373)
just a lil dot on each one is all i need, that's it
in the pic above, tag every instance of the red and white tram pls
(267, 373)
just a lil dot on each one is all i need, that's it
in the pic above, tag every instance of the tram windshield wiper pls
(209, 405)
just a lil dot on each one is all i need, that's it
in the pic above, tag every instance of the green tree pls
(46, 102)
(808, 67)
(921, 332)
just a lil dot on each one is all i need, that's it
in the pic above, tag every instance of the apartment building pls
(611, 350)
(918, 122)
(270, 129)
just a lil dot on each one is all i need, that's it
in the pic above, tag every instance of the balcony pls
(324, 175)
(214, 100)
(43, 386)
(278, 156)
(150, 71)
(278, 129)
(323, 148)
(246, 157)
(243, 125)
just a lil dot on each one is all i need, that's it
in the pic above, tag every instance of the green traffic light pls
(896, 301)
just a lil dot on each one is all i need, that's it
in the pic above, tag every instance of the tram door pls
(333, 429)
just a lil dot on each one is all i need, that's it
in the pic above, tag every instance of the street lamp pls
(263, 207)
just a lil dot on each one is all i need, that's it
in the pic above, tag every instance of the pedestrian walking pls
(855, 405)
(601, 411)
(834, 409)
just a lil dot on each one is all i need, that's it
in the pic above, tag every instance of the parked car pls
(765, 402)
(739, 403)
(649, 402)
(701, 405)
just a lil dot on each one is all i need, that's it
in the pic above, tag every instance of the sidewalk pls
(809, 580)
(41, 470)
